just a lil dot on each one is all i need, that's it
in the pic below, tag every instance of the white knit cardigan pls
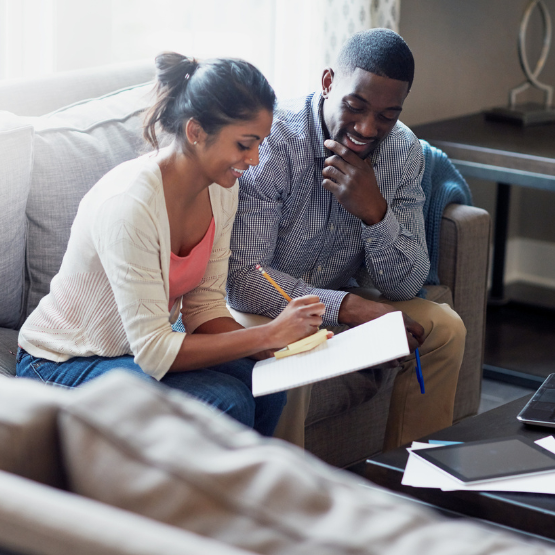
(111, 295)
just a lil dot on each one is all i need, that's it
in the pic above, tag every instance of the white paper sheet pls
(366, 345)
(419, 473)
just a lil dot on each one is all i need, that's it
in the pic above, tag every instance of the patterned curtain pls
(344, 17)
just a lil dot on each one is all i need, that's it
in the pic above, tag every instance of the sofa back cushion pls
(36, 96)
(16, 148)
(73, 148)
(29, 444)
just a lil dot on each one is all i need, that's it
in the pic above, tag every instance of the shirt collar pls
(318, 136)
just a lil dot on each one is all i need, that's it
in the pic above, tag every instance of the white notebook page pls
(366, 345)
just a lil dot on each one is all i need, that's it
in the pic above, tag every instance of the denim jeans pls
(226, 387)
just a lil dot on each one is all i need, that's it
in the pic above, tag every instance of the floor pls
(496, 393)
(521, 337)
(519, 342)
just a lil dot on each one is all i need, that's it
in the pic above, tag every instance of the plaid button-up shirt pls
(305, 239)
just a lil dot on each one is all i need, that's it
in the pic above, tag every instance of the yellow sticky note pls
(303, 345)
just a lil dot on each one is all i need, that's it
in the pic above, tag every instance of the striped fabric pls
(305, 239)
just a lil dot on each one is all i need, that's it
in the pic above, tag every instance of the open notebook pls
(366, 345)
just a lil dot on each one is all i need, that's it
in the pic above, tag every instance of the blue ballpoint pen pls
(419, 375)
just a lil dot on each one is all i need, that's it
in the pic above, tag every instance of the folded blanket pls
(442, 184)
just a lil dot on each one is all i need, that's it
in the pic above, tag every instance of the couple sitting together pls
(314, 190)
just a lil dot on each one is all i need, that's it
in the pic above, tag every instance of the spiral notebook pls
(369, 344)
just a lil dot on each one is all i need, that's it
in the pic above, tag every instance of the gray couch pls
(123, 467)
(50, 161)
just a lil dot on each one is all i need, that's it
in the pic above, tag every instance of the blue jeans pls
(227, 387)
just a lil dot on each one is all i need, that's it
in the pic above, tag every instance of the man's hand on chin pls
(353, 183)
(355, 310)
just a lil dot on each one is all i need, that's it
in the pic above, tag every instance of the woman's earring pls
(195, 142)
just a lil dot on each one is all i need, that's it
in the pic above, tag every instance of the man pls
(337, 190)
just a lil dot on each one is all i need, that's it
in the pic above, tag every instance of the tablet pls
(480, 461)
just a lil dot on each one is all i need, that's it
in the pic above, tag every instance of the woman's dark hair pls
(214, 92)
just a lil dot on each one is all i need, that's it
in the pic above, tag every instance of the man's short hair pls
(379, 51)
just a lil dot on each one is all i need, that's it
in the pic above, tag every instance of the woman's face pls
(227, 155)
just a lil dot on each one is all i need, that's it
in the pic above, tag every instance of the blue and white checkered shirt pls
(305, 239)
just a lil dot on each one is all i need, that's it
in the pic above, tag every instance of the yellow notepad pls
(303, 345)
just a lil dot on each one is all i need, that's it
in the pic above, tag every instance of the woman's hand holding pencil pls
(301, 317)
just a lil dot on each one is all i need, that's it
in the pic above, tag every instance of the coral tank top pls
(186, 272)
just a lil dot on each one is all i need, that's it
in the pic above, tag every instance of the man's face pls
(361, 108)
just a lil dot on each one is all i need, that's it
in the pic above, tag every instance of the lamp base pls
(530, 113)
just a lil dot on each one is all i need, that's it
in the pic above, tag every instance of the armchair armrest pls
(463, 267)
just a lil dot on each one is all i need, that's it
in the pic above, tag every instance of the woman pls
(151, 237)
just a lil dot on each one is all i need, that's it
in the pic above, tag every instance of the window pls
(281, 37)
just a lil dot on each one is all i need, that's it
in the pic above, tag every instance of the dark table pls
(497, 151)
(528, 512)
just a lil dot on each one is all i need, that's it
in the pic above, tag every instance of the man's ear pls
(327, 81)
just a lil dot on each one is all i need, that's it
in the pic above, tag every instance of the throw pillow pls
(73, 148)
(16, 150)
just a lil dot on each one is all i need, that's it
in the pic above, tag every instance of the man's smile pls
(358, 144)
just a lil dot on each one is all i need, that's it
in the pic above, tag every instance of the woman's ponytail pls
(173, 73)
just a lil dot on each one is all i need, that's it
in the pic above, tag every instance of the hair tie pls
(192, 62)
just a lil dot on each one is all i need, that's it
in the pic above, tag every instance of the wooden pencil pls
(276, 286)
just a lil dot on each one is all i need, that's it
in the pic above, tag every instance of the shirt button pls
(368, 240)
(319, 268)
(332, 227)
(380, 272)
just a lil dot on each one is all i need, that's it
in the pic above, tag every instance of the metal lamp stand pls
(529, 113)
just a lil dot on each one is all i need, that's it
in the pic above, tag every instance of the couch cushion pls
(36, 96)
(16, 140)
(73, 148)
(164, 455)
(29, 443)
(8, 350)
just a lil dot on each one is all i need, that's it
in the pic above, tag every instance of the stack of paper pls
(369, 344)
(419, 473)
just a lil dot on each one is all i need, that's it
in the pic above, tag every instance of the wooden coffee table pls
(531, 513)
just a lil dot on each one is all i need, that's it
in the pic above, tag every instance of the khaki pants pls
(411, 414)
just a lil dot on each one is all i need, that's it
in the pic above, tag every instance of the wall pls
(466, 61)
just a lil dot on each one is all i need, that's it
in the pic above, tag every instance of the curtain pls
(343, 18)
(291, 41)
